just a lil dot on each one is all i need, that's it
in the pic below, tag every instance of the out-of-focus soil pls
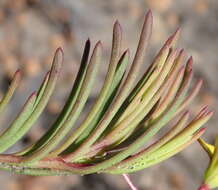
(31, 30)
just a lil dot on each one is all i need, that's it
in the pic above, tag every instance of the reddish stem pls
(129, 182)
(204, 187)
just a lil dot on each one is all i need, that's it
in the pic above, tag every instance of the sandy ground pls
(30, 31)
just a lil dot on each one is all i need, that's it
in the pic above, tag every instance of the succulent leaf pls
(114, 137)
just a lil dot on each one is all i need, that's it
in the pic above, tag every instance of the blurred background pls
(31, 30)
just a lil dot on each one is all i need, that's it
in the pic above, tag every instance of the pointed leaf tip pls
(117, 28)
(176, 34)
(127, 52)
(199, 133)
(59, 55)
(210, 114)
(149, 18)
(34, 93)
(117, 24)
(189, 64)
(149, 14)
(202, 130)
(190, 59)
(178, 31)
(182, 53)
(18, 71)
(57, 59)
(60, 50)
(200, 82)
(187, 113)
(17, 74)
(99, 44)
(88, 42)
(173, 38)
(98, 47)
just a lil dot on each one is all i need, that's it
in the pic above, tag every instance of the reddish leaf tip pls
(201, 130)
(210, 113)
(182, 50)
(17, 74)
(148, 20)
(182, 53)
(127, 52)
(186, 113)
(117, 26)
(176, 33)
(117, 23)
(178, 30)
(59, 53)
(173, 38)
(189, 64)
(200, 82)
(99, 44)
(60, 50)
(34, 93)
(88, 40)
(149, 13)
(18, 71)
